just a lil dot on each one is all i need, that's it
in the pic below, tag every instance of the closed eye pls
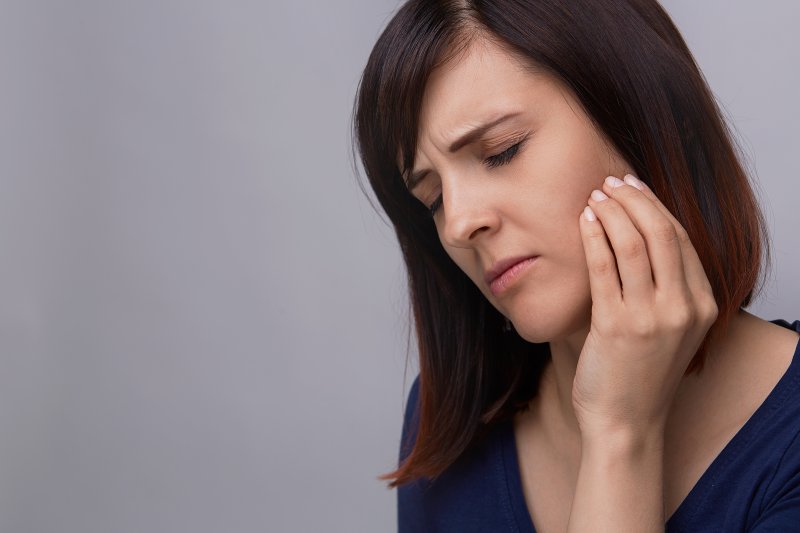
(503, 157)
(435, 205)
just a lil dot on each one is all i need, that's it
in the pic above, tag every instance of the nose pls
(469, 216)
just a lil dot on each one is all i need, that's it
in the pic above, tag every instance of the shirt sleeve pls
(782, 509)
(410, 515)
(410, 422)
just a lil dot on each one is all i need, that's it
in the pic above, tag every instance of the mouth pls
(504, 273)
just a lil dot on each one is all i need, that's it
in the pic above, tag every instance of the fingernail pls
(611, 181)
(633, 182)
(598, 195)
(588, 214)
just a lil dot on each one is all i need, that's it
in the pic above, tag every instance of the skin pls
(618, 356)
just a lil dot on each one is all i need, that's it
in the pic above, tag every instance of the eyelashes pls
(503, 158)
(435, 205)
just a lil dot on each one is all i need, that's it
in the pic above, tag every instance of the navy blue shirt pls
(753, 485)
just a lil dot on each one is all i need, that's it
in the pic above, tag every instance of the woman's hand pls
(652, 305)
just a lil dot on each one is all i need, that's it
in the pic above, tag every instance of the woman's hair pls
(633, 74)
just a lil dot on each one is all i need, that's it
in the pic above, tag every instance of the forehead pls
(482, 82)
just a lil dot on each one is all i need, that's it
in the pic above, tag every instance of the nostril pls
(478, 231)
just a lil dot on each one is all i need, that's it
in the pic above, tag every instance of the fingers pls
(693, 271)
(604, 281)
(650, 248)
(658, 231)
(629, 248)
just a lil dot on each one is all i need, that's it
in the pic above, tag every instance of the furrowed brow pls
(465, 139)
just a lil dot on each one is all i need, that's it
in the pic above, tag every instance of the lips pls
(500, 267)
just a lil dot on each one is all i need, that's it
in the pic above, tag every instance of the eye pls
(503, 157)
(435, 205)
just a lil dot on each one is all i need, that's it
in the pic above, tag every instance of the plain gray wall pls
(203, 324)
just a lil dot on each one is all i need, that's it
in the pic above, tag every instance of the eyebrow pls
(467, 138)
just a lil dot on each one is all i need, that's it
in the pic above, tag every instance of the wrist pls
(623, 439)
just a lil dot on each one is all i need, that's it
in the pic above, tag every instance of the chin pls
(538, 321)
(535, 333)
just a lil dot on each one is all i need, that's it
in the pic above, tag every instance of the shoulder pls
(744, 369)
(747, 421)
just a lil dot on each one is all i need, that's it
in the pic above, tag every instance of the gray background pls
(203, 323)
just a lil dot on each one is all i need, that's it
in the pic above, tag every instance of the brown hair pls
(632, 72)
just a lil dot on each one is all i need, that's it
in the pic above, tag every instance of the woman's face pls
(501, 200)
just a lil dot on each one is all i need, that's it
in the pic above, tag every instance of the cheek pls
(558, 221)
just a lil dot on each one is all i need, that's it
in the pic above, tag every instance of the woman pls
(580, 240)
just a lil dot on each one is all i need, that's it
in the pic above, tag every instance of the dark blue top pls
(753, 485)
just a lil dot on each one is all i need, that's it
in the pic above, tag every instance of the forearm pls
(620, 484)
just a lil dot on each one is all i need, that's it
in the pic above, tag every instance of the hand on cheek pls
(652, 305)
